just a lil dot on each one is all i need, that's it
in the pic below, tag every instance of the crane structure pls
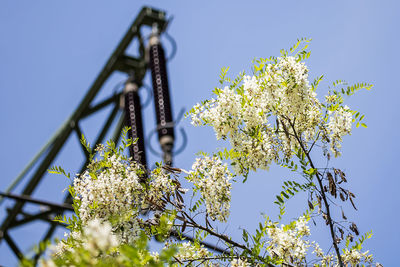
(151, 56)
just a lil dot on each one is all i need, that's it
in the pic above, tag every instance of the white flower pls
(99, 237)
(212, 178)
(354, 257)
(339, 125)
(286, 243)
(188, 251)
(256, 116)
(112, 193)
(239, 263)
(330, 98)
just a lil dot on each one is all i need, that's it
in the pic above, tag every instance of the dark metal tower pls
(128, 101)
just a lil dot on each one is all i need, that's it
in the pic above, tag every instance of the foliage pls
(271, 117)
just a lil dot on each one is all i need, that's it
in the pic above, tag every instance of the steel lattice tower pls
(127, 101)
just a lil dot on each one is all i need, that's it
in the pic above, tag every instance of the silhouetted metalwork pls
(162, 101)
(119, 61)
(180, 140)
(133, 114)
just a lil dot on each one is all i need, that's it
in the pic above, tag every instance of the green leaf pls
(245, 236)
(224, 71)
(280, 199)
(285, 195)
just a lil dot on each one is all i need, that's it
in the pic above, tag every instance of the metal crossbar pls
(119, 61)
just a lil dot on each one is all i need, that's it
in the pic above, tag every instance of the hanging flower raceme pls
(110, 190)
(264, 116)
(339, 125)
(286, 242)
(96, 238)
(212, 178)
(188, 251)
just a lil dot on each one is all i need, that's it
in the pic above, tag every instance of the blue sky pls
(51, 52)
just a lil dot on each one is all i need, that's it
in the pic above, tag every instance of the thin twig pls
(328, 214)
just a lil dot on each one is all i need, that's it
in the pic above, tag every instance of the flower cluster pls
(354, 257)
(61, 247)
(97, 238)
(239, 263)
(286, 242)
(266, 115)
(212, 178)
(339, 125)
(111, 193)
(113, 190)
(259, 115)
(160, 184)
(350, 257)
(325, 259)
(189, 251)
(216, 112)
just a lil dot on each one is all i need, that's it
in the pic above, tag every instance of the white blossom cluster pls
(350, 257)
(287, 243)
(188, 251)
(326, 259)
(113, 190)
(353, 257)
(339, 124)
(97, 238)
(112, 194)
(239, 263)
(61, 247)
(266, 115)
(212, 178)
(160, 184)
(216, 112)
(256, 116)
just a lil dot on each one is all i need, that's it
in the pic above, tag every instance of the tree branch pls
(328, 213)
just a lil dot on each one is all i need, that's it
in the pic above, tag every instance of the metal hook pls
(175, 151)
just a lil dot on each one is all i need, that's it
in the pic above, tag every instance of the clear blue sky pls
(51, 51)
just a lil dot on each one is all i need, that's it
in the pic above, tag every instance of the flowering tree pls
(270, 117)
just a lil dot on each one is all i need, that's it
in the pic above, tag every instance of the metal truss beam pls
(118, 61)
